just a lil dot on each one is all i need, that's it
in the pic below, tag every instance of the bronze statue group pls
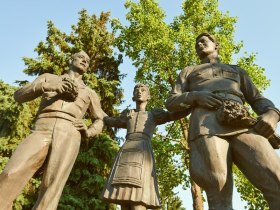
(210, 92)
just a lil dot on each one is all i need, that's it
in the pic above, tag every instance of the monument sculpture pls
(56, 136)
(221, 132)
(132, 182)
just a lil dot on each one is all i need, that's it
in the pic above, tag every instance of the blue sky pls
(24, 24)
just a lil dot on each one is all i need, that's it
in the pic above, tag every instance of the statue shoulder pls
(46, 77)
(127, 113)
(158, 111)
(236, 68)
(187, 70)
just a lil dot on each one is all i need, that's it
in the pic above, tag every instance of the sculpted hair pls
(210, 36)
(78, 53)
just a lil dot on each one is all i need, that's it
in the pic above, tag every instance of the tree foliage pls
(93, 164)
(90, 35)
(248, 193)
(15, 122)
(169, 167)
(159, 50)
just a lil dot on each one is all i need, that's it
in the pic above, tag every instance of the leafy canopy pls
(159, 50)
(90, 34)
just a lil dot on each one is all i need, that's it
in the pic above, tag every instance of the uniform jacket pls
(53, 105)
(227, 81)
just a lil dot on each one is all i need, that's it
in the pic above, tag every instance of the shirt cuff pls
(274, 109)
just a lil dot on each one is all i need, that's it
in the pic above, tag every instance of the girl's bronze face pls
(141, 94)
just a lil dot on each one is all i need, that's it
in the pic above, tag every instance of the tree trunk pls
(197, 196)
(195, 189)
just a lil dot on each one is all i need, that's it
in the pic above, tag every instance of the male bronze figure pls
(217, 140)
(56, 136)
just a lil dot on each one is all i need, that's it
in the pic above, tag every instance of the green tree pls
(15, 122)
(159, 50)
(82, 191)
(248, 193)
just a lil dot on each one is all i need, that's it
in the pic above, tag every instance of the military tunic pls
(228, 82)
(215, 146)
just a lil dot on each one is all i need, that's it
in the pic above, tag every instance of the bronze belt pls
(61, 115)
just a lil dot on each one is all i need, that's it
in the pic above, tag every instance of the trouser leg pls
(255, 157)
(62, 155)
(25, 161)
(210, 168)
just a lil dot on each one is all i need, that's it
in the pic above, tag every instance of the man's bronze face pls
(205, 46)
(81, 62)
(141, 94)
